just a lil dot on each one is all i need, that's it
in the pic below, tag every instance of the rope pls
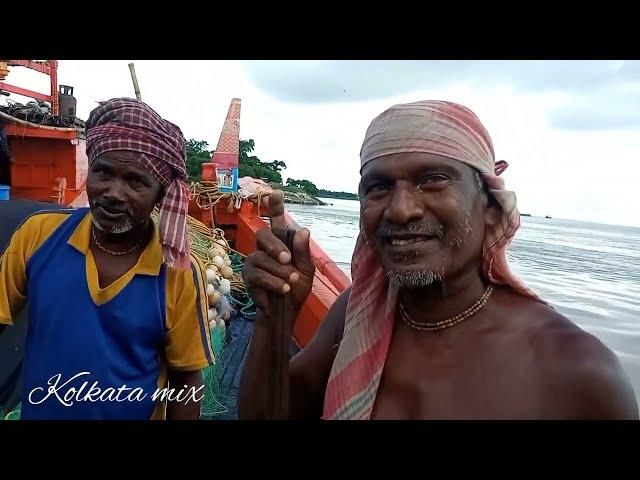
(207, 195)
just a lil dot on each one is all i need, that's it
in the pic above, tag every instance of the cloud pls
(595, 117)
(592, 94)
(604, 108)
(338, 81)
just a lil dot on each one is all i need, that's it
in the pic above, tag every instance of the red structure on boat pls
(47, 163)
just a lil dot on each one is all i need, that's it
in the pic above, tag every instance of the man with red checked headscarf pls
(434, 325)
(117, 306)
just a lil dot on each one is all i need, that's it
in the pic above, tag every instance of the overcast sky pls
(570, 130)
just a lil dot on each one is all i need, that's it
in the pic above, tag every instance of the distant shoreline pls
(339, 195)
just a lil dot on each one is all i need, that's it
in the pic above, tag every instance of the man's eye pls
(433, 181)
(378, 187)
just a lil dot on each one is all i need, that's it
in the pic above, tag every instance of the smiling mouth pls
(407, 240)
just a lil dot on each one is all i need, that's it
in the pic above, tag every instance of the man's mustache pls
(387, 229)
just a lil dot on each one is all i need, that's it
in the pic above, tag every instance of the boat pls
(48, 169)
(48, 162)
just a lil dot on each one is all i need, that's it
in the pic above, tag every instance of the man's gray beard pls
(414, 279)
(125, 227)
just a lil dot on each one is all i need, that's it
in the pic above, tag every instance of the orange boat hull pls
(48, 165)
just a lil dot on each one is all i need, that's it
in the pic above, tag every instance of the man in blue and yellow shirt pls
(117, 306)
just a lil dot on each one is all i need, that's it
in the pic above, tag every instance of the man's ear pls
(492, 214)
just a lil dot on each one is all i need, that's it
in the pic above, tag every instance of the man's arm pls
(588, 378)
(13, 261)
(308, 371)
(190, 382)
(13, 276)
(188, 341)
(602, 388)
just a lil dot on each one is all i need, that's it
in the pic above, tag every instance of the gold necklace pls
(450, 322)
(111, 252)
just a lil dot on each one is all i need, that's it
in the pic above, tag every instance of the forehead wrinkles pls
(411, 166)
(131, 164)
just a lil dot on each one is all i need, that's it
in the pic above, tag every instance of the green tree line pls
(250, 165)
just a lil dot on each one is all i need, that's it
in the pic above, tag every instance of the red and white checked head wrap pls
(125, 124)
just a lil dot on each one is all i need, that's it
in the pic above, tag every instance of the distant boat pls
(547, 216)
(525, 214)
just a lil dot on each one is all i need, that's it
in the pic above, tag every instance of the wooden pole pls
(281, 330)
(132, 69)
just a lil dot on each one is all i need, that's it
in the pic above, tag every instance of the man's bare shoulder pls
(582, 374)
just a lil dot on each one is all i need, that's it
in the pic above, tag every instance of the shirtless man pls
(435, 325)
